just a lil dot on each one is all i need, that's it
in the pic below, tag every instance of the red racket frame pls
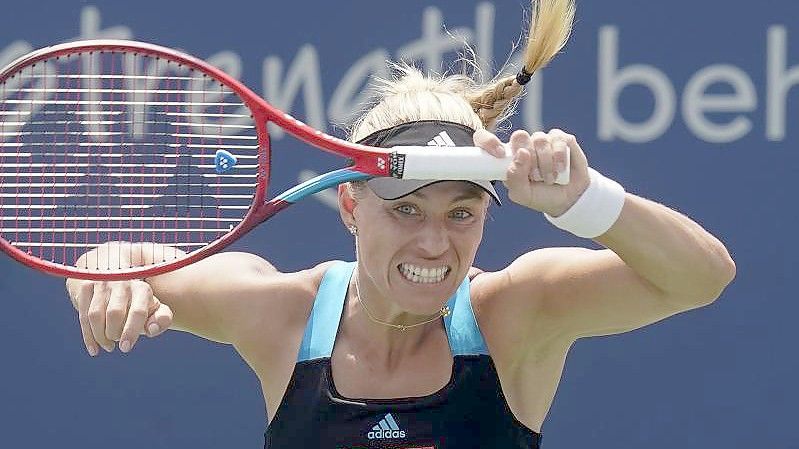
(368, 160)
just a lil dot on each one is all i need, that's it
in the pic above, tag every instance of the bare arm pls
(221, 298)
(659, 262)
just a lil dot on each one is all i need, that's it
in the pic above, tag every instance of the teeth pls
(422, 275)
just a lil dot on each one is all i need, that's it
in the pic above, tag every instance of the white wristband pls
(595, 211)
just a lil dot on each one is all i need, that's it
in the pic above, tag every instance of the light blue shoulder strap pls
(320, 331)
(322, 326)
(462, 330)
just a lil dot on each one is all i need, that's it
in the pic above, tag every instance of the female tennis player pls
(410, 345)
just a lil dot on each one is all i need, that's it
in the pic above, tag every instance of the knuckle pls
(541, 144)
(539, 137)
(85, 288)
(538, 134)
(122, 287)
(95, 314)
(520, 134)
(141, 288)
(114, 313)
(560, 134)
(137, 314)
(120, 290)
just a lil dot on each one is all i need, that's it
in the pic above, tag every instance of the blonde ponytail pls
(549, 31)
(412, 96)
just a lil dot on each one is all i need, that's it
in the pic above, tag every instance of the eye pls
(407, 209)
(461, 214)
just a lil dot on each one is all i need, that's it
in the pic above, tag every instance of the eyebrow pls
(471, 195)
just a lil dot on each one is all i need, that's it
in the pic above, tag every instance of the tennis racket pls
(111, 140)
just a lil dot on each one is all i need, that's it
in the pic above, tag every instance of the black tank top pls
(469, 412)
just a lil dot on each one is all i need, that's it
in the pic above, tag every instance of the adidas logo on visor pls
(441, 140)
(386, 429)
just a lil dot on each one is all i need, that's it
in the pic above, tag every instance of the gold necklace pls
(401, 327)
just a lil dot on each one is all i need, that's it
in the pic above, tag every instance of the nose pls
(433, 239)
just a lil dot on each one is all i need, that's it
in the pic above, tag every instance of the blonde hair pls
(412, 96)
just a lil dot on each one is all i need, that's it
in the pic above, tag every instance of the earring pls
(353, 230)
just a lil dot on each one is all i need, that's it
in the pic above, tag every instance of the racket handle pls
(458, 163)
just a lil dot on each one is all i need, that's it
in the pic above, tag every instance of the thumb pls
(160, 318)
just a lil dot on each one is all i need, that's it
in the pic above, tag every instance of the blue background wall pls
(722, 376)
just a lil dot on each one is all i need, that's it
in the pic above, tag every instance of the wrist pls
(595, 211)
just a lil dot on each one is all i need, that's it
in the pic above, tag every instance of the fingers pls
(97, 315)
(83, 297)
(141, 301)
(520, 140)
(550, 153)
(575, 151)
(545, 148)
(117, 311)
(489, 142)
(518, 176)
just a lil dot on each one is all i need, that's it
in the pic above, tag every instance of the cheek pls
(379, 240)
(470, 240)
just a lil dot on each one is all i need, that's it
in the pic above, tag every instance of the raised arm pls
(658, 262)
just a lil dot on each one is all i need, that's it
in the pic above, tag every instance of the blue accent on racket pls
(320, 183)
(224, 161)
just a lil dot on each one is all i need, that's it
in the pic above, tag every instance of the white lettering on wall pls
(10, 124)
(350, 97)
(780, 81)
(303, 74)
(434, 43)
(90, 28)
(613, 80)
(697, 103)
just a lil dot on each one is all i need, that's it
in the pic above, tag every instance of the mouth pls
(423, 275)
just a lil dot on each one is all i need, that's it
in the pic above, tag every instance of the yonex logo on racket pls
(387, 428)
(224, 161)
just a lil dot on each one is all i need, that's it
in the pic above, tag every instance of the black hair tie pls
(524, 77)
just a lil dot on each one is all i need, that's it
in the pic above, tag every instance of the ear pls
(346, 204)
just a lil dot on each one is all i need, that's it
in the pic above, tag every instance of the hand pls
(537, 159)
(117, 311)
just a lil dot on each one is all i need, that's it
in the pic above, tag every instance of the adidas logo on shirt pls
(441, 140)
(387, 428)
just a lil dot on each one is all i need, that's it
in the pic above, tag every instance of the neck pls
(381, 323)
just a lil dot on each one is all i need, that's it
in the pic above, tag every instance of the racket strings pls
(98, 147)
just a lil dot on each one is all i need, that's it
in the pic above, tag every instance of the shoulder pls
(295, 291)
(508, 303)
(284, 302)
(541, 268)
